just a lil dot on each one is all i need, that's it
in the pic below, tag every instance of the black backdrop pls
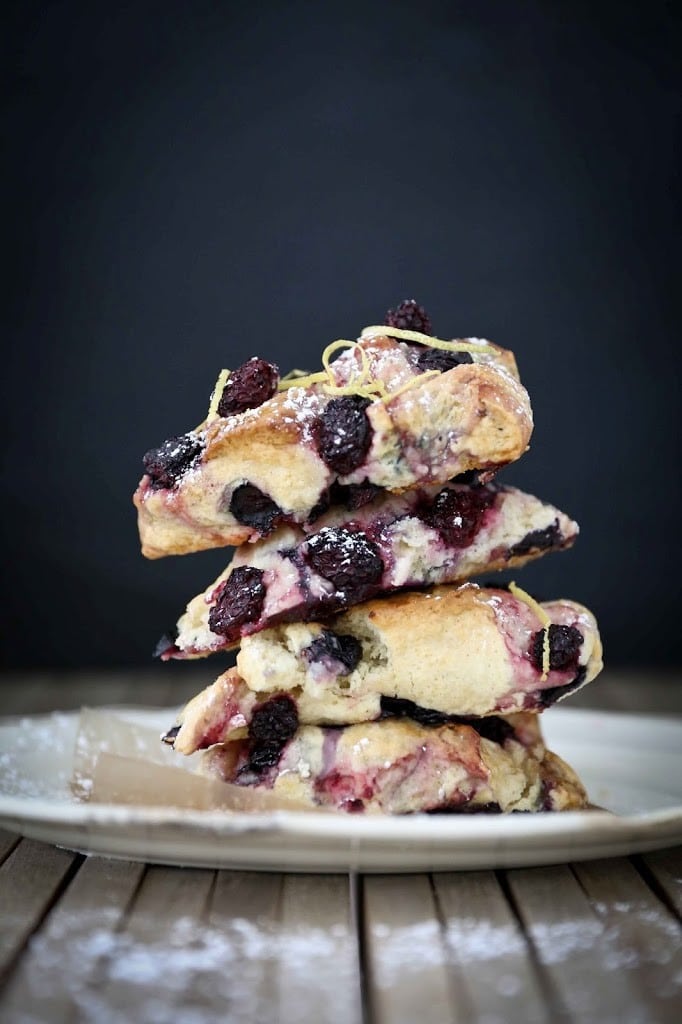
(190, 184)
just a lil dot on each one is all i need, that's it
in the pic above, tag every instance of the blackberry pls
(564, 647)
(169, 737)
(408, 316)
(493, 728)
(354, 496)
(343, 433)
(348, 560)
(471, 477)
(400, 707)
(439, 359)
(538, 540)
(273, 723)
(551, 694)
(251, 507)
(248, 386)
(341, 647)
(166, 464)
(489, 808)
(457, 515)
(240, 601)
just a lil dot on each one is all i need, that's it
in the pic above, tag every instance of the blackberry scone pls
(397, 409)
(399, 766)
(450, 654)
(365, 545)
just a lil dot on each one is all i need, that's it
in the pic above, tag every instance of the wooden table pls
(90, 939)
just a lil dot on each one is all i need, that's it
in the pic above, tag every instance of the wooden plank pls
(405, 954)
(168, 900)
(582, 965)
(57, 977)
(29, 880)
(318, 969)
(8, 840)
(643, 935)
(665, 868)
(154, 970)
(244, 915)
(491, 963)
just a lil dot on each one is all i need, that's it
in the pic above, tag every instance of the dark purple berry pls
(470, 477)
(168, 462)
(251, 507)
(439, 359)
(493, 728)
(240, 601)
(408, 316)
(564, 647)
(248, 386)
(538, 540)
(400, 707)
(343, 433)
(354, 496)
(489, 808)
(348, 560)
(338, 647)
(457, 514)
(273, 723)
(545, 698)
(348, 496)
(169, 737)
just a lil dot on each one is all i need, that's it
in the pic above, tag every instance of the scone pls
(399, 766)
(371, 545)
(397, 409)
(465, 650)
(450, 654)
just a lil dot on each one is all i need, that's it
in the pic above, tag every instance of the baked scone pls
(398, 766)
(448, 654)
(396, 409)
(465, 650)
(350, 554)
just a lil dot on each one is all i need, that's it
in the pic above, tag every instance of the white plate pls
(631, 764)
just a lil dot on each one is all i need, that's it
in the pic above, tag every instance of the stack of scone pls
(371, 676)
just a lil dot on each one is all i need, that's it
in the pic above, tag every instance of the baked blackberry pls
(409, 316)
(248, 386)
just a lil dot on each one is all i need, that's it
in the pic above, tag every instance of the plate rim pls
(351, 842)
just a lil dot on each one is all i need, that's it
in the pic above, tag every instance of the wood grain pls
(642, 936)
(488, 952)
(665, 868)
(580, 956)
(58, 976)
(30, 879)
(406, 955)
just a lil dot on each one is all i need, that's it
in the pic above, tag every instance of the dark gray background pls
(191, 184)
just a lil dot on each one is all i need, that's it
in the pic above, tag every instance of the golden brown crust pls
(459, 650)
